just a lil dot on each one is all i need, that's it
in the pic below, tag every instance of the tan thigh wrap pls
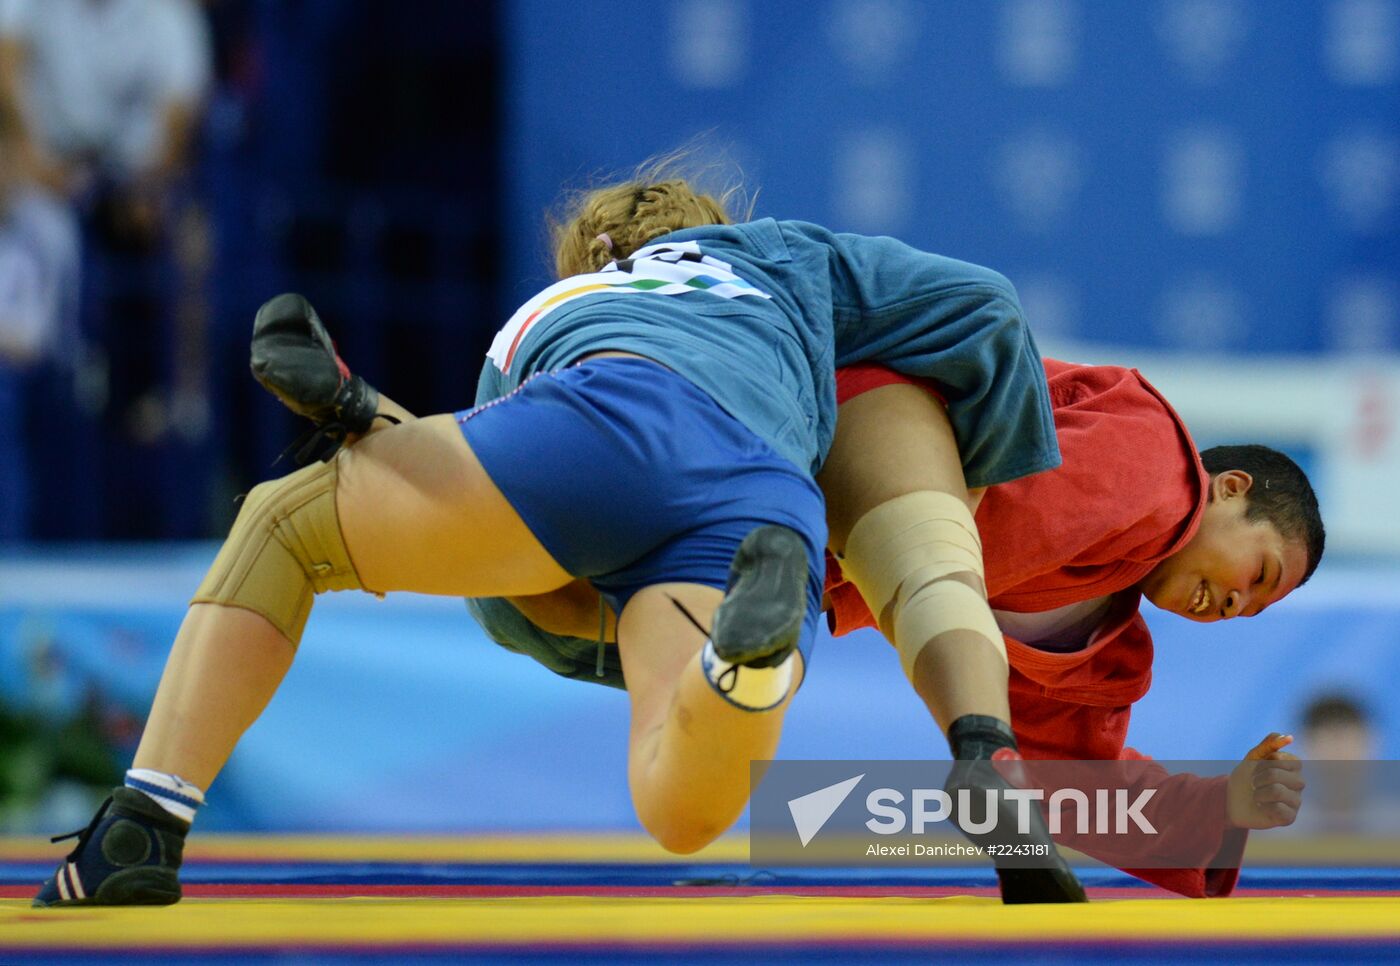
(901, 555)
(284, 548)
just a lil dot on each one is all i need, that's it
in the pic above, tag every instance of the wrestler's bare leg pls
(387, 407)
(418, 513)
(896, 440)
(689, 749)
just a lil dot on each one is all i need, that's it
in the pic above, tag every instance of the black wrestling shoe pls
(1029, 867)
(760, 619)
(1021, 887)
(293, 357)
(129, 855)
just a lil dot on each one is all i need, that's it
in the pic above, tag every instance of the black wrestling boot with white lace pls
(748, 657)
(1029, 867)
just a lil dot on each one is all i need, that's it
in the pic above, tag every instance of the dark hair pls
(1334, 709)
(1281, 494)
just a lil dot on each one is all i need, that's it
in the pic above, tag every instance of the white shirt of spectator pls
(39, 268)
(101, 73)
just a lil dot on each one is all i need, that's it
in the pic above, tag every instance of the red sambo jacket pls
(1128, 494)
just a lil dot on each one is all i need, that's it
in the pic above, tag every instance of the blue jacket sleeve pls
(955, 323)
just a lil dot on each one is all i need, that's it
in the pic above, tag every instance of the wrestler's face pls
(1232, 567)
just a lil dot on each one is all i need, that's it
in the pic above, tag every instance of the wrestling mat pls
(576, 898)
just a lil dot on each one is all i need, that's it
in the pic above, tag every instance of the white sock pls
(171, 792)
(750, 688)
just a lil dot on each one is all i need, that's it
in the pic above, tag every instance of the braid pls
(612, 222)
(598, 253)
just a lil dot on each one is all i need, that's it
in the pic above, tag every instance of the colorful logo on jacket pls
(677, 268)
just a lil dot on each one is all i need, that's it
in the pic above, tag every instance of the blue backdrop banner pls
(1196, 174)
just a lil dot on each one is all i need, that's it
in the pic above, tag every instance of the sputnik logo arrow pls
(812, 811)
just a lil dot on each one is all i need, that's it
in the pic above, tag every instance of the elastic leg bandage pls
(905, 557)
(284, 548)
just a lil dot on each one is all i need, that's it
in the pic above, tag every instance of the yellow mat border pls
(630, 848)
(584, 921)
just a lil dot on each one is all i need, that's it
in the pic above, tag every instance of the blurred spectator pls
(1336, 727)
(1349, 792)
(39, 269)
(105, 91)
(106, 99)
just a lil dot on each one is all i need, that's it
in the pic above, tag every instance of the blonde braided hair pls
(596, 226)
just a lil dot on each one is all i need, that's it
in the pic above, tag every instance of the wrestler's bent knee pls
(680, 836)
(285, 547)
(913, 557)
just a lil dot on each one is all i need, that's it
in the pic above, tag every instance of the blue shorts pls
(630, 476)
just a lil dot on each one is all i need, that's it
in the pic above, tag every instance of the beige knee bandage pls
(284, 548)
(903, 557)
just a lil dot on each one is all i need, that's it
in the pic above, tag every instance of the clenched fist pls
(1266, 788)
